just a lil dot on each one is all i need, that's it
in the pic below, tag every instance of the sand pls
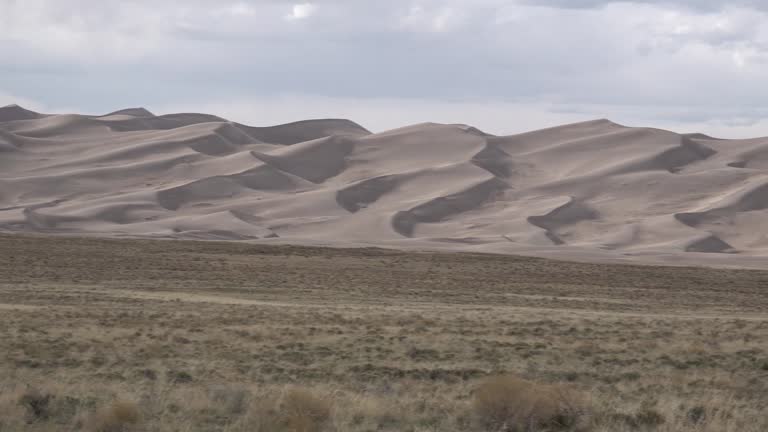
(594, 191)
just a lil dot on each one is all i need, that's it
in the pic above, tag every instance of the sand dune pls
(15, 112)
(592, 190)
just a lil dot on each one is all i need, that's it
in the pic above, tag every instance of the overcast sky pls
(502, 65)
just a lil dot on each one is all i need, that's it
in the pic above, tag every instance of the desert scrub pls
(395, 342)
(510, 404)
(118, 416)
(297, 409)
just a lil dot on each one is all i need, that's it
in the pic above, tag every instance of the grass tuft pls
(37, 405)
(119, 416)
(304, 411)
(511, 404)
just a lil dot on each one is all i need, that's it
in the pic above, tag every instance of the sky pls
(504, 66)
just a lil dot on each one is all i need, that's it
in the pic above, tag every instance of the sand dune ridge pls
(592, 187)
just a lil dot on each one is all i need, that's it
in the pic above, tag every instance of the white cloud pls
(440, 19)
(301, 11)
(241, 9)
(98, 31)
(739, 60)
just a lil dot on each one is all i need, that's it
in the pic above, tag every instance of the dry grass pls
(303, 411)
(511, 404)
(119, 416)
(242, 338)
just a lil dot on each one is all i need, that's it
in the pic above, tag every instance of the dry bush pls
(297, 410)
(262, 416)
(37, 404)
(304, 411)
(378, 412)
(231, 401)
(511, 404)
(12, 413)
(119, 416)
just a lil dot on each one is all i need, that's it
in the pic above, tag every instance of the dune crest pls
(591, 189)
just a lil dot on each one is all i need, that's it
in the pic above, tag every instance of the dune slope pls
(592, 190)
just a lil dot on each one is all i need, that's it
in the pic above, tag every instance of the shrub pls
(696, 414)
(645, 419)
(304, 411)
(179, 377)
(297, 410)
(649, 417)
(231, 400)
(510, 404)
(119, 416)
(37, 405)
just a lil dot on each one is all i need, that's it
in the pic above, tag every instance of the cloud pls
(241, 9)
(705, 59)
(690, 4)
(431, 20)
(301, 11)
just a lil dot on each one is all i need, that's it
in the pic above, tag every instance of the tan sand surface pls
(594, 191)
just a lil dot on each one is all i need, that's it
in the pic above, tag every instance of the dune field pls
(589, 191)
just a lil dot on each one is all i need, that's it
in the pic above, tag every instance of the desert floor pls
(142, 335)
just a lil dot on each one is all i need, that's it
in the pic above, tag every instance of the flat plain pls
(153, 335)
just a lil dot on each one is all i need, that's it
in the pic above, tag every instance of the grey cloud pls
(182, 52)
(709, 5)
